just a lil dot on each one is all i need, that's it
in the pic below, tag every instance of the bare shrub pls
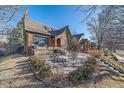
(83, 73)
(45, 71)
(57, 78)
(75, 47)
(40, 66)
(35, 62)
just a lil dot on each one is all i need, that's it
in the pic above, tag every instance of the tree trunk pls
(99, 47)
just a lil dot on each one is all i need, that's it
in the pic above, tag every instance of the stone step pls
(112, 68)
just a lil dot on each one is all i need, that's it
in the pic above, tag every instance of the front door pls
(58, 42)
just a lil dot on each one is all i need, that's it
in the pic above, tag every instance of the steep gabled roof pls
(78, 36)
(83, 41)
(36, 27)
(58, 32)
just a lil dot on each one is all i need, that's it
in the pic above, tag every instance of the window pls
(40, 41)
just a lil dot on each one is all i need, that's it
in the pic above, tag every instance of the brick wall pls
(28, 42)
(63, 39)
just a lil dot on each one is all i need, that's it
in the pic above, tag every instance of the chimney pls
(26, 15)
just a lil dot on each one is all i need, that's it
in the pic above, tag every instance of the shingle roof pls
(78, 36)
(36, 27)
(58, 32)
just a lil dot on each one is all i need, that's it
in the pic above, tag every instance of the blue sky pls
(59, 16)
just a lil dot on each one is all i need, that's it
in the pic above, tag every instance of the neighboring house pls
(4, 46)
(85, 44)
(78, 37)
(3, 41)
(3, 38)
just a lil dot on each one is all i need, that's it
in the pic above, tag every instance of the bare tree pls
(112, 20)
(97, 27)
(7, 12)
(114, 37)
(110, 41)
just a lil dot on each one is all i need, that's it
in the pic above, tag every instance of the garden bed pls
(64, 76)
(49, 83)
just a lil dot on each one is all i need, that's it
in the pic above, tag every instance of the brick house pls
(78, 37)
(43, 35)
(85, 44)
(60, 37)
(39, 34)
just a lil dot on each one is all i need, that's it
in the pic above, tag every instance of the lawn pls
(110, 82)
(7, 57)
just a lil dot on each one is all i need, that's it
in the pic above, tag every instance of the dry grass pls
(113, 62)
(95, 53)
(110, 82)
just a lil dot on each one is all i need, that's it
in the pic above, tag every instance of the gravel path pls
(16, 73)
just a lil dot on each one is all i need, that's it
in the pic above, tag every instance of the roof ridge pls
(62, 27)
(78, 34)
(58, 31)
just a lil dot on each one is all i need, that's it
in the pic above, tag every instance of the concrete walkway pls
(16, 73)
